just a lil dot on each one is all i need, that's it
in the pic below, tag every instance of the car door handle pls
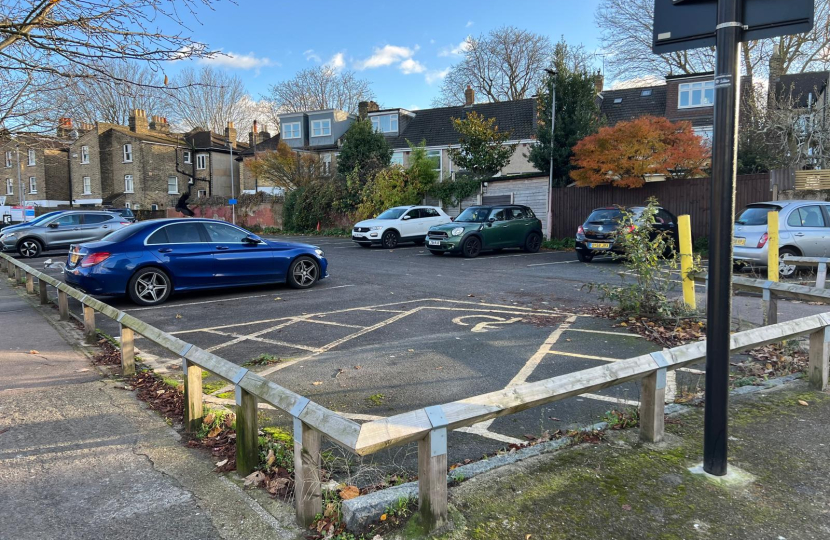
(799, 234)
(165, 250)
(222, 248)
(105, 226)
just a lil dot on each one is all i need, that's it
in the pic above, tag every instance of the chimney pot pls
(138, 121)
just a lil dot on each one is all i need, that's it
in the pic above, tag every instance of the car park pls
(9, 228)
(399, 224)
(150, 260)
(803, 230)
(487, 228)
(598, 235)
(59, 231)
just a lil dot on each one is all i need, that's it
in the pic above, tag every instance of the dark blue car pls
(149, 260)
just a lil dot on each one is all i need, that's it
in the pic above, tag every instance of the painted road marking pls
(242, 337)
(557, 262)
(199, 303)
(485, 325)
(487, 258)
(611, 399)
(620, 334)
(586, 356)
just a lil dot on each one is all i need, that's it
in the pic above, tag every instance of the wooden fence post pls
(653, 401)
(769, 303)
(432, 472)
(308, 489)
(819, 369)
(30, 283)
(89, 324)
(821, 275)
(772, 246)
(44, 292)
(247, 432)
(192, 396)
(686, 260)
(127, 351)
(63, 305)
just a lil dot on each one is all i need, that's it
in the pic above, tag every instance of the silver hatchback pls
(59, 231)
(804, 230)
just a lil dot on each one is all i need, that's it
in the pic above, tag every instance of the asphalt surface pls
(394, 330)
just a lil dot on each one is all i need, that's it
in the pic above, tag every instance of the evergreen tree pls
(365, 149)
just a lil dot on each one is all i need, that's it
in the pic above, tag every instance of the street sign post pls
(689, 24)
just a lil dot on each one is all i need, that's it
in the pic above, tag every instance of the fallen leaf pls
(802, 402)
(527, 536)
(219, 464)
(471, 296)
(254, 479)
(626, 507)
(214, 432)
(357, 367)
(33, 352)
(269, 460)
(277, 484)
(623, 324)
(383, 517)
(317, 383)
(209, 418)
(278, 298)
(349, 492)
(178, 316)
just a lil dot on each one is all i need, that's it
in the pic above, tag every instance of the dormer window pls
(617, 101)
(646, 92)
(385, 123)
(696, 94)
(291, 130)
(321, 128)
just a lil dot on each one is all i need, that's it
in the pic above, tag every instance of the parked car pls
(399, 224)
(9, 228)
(487, 228)
(598, 235)
(59, 231)
(803, 230)
(125, 213)
(150, 260)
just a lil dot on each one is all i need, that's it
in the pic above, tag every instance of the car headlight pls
(9, 236)
(319, 253)
(376, 228)
(458, 231)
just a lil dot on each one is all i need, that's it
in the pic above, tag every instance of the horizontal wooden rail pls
(820, 262)
(429, 426)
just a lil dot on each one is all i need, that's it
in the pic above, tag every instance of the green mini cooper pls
(492, 228)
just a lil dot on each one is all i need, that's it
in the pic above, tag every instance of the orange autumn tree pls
(625, 154)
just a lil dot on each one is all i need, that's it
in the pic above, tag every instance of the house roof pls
(435, 125)
(632, 103)
(268, 145)
(38, 140)
(799, 86)
(148, 136)
(208, 140)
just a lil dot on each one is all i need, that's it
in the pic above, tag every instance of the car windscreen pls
(44, 217)
(474, 215)
(392, 213)
(756, 214)
(604, 216)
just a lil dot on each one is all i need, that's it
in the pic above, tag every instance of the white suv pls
(399, 224)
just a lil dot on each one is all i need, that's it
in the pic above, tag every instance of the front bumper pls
(451, 244)
(361, 239)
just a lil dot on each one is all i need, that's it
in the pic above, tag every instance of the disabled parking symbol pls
(485, 326)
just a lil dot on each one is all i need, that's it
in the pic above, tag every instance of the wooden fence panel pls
(572, 205)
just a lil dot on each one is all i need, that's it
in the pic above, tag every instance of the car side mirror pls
(492, 220)
(252, 239)
(405, 218)
(53, 225)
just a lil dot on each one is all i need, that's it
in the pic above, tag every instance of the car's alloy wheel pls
(150, 286)
(533, 243)
(784, 269)
(390, 239)
(472, 247)
(303, 273)
(29, 248)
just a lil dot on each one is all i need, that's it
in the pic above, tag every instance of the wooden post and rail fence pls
(429, 426)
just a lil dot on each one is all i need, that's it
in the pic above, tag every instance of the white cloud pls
(436, 75)
(432, 42)
(239, 61)
(413, 108)
(312, 56)
(410, 66)
(337, 62)
(386, 56)
(637, 82)
(457, 50)
(469, 24)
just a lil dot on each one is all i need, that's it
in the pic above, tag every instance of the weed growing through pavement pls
(263, 359)
(375, 400)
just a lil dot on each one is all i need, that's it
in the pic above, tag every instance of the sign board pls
(18, 213)
(690, 24)
(231, 201)
(2, 200)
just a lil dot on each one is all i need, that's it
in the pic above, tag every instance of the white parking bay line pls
(586, 356)
(612, 399)
(503, 256)
(557, 262)
(206, 301)
(622, 334)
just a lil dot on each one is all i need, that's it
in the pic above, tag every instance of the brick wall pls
(703, 115)
(78, 170)
(56, 175)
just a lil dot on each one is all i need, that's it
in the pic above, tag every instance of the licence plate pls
(599, 245)
(435, 242)
(74, 257)
(739, 241)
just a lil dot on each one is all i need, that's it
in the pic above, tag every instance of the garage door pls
(497, 199)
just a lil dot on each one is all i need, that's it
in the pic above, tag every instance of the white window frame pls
(324, 126)
(201, 162)
(690, 88)
(9, 186)
(154, 207)
(176, 180)
(325, 159)
(187, 157)
(378, 124)
(201, 193)
(129, 183)
(9, 159)
(127, 151)
(86, 185)
(85, 155)
(32, 184)
(128, 206)
(397, 158)
(136, 206)
(440, 169)
(288, 128)
(31, 157)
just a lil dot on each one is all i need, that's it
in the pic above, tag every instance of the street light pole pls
(22, 197)
(549, 224)
(233, 192)
(719, 292)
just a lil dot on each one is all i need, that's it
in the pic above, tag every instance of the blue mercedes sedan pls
(148, 261)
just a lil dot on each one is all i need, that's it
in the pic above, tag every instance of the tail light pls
(580, 230)
(94, 258)
(126, 223)
(763, 241)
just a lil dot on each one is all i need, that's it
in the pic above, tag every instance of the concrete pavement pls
(81, 458)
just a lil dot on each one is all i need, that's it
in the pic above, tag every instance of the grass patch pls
(226, 395)
(263, 359)
(560, 244)
(209, 387)
(279, 435)
(170, 381)
(214, 421)
(375, 400)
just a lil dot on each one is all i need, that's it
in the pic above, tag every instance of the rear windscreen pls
(756, 215)
(605, 215)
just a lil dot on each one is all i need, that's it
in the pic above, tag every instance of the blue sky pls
(403, 48)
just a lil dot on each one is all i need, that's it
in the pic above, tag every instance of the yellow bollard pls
(685, 232)
(772, 246)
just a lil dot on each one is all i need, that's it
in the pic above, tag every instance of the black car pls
(125, 213)
(598, 235)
